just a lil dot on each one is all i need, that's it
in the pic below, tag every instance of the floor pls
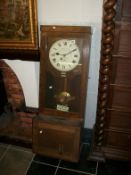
(15, 160)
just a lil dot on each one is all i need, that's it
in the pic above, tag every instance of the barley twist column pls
(106, 57)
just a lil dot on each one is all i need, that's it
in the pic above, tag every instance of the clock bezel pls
(61, 65)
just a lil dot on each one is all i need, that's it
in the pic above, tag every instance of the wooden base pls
(109, 153)
(56, 137)
(96, 154)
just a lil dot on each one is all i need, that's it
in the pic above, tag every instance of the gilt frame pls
(18, 24)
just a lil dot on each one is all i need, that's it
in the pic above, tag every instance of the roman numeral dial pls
(64, 55)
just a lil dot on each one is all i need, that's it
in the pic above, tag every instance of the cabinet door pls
(56, 140)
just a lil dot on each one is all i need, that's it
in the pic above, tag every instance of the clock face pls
(64, 55)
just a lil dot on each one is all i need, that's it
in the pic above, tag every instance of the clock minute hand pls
(57, 53)
(69, 52)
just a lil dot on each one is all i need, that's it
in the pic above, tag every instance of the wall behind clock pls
(66, 12)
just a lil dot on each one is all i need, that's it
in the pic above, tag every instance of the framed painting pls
(18, 24)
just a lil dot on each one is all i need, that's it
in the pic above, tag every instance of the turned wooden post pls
(105, 63)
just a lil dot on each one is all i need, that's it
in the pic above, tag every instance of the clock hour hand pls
(57, 53)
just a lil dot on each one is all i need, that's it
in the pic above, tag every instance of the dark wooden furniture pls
(20, 54)
(112, 137)
(57, 129)
(3, 96)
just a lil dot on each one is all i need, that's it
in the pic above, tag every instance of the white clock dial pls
(64, 55)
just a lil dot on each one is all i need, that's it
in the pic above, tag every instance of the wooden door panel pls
(126, 10)
(119, 97)
(118, 120)
(61, 141)
(118, 140)
(121, 70)
(123, 9)
(122, 39)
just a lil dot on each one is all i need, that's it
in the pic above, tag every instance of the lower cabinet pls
(56, 140)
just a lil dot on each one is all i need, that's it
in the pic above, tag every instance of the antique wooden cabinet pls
(112, 136)
(63, 80)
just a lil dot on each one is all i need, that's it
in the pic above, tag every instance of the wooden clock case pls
(57, 132)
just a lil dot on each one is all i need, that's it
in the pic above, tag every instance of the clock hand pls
(57, 53)
(69, 52)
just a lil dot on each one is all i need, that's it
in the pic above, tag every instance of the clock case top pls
(53, 82)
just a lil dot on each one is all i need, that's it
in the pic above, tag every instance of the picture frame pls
(18, 24)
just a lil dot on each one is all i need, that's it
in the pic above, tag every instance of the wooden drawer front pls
(118, 119)
(119, 97)
(118, 140)
(121, 68)
(57, 141)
